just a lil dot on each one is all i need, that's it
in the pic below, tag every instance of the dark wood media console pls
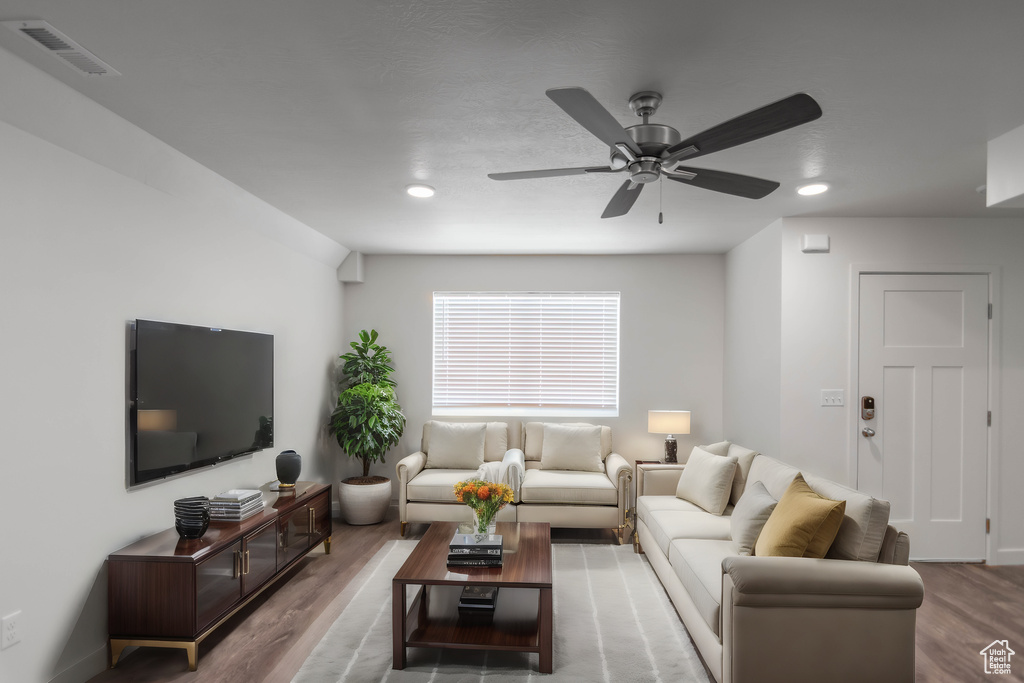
(163, 591)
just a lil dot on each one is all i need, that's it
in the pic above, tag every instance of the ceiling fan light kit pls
(650, 151)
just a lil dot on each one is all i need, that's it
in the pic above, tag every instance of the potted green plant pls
(367, 422)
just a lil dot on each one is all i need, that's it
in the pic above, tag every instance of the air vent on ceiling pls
(59, 45)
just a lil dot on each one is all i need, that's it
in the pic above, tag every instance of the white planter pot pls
(364, 503)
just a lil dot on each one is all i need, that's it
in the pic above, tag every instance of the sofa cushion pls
(803, 524)
(749, 516)
(863, 528)
(720, 448)
(456, 445)
(533, 439)
(648, 504)
(578, 488)
(571, 447)
(495, 443)
(744, 459)
(776, 476)
(436, 486)
(698, 565)
(707, 480)
(669, 525)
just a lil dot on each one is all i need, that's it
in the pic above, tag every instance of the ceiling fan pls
(648, 151)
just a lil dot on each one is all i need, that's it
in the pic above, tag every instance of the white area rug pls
(613, 622)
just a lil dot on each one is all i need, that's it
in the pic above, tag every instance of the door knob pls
(868, 432)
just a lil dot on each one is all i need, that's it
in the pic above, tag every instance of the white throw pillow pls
(571, 447)
(749, 516)
(720, 448)
(706, 480)
(744, 458)
(456, 446)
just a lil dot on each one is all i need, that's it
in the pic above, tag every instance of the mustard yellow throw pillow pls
(803, 524)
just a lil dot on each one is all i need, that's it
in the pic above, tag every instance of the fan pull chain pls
(661, 192)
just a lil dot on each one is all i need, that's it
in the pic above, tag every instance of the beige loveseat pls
(849, 617)
(574, 481)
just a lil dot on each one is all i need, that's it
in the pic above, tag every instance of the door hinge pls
(990, 418)
(988, 525)
(990, 311)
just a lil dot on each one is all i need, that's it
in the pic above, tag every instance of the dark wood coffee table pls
(431, 618)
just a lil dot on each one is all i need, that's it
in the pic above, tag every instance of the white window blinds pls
(505, 353)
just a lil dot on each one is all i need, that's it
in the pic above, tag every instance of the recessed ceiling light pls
(420, 190)
(813, 188)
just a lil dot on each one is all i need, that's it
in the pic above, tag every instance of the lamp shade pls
(668, 421)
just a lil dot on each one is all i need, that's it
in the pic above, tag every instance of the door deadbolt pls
(867, 408)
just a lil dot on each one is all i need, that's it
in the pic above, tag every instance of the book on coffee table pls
(463, 561)
(475, 542)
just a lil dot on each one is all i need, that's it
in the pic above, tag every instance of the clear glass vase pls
(482, 524)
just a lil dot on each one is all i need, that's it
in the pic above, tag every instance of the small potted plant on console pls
(367, 422)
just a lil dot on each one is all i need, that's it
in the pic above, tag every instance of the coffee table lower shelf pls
(517, 629)
(425, 598)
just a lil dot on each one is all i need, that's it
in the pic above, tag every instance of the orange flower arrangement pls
(485, 497)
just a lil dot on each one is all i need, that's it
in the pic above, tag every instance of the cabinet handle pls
(246, 570)
(312, 521)
(236, 561)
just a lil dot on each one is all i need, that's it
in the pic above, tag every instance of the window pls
(526, 353)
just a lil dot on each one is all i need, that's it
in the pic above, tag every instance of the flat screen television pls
(198, 396)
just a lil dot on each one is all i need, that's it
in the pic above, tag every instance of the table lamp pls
(668, 422)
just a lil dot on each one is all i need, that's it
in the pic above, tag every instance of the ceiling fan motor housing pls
(652, 139)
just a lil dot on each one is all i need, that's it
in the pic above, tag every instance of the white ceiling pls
(327, 109)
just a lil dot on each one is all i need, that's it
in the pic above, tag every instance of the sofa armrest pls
(409, 466)
(658, 480)
(621, 474)
(806, 582)
(801, 620)
(513, 470)
(616, 467)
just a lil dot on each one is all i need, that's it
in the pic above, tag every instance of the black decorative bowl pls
(192, 516)
(192, 529)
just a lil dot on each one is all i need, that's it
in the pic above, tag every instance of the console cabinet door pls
(259, 557)
(293, 530)
(218, 584)
(320, 516)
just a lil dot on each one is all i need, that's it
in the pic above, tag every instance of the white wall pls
(816, 341)
(753, 335)
(671, 332)
(83, 249)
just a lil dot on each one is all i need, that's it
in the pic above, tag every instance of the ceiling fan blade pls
(729, 183)
(623, 200)
(769, 119)
(589, 113)
(550, 173)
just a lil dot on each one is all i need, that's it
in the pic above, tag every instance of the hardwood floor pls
(966, 607)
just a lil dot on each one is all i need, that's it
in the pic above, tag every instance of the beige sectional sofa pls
(849, 617)
(564, 474)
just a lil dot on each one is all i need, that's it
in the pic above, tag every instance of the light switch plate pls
(832, 397)
(10, 633)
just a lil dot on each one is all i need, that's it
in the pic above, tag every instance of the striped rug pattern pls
(613, 622)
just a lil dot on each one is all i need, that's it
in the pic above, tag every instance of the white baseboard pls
(84, 669)
(1009, 556)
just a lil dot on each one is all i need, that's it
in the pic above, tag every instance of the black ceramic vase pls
(289, 464)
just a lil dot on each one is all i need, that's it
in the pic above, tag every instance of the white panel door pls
(923, 343)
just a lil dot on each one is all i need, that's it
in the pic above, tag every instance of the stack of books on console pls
(478, 601)
(236, 505)
(475, 550)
